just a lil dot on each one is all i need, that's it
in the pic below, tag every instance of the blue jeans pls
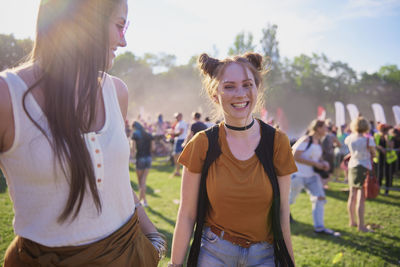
(314, 188)
(217, 252)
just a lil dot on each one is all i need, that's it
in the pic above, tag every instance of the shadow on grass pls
(163, 168)
(369, 243)
(3, 184)
(156, 166)
(158, 214)
(383, 201)
(339, 195)
(168, 235)
(149, 190)
(343, 196)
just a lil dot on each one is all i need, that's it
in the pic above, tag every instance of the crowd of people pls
(66, 145)
(355, 150)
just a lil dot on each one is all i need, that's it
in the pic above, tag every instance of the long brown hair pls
(71, 51)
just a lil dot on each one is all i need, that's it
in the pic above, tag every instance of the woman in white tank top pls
(63, 147)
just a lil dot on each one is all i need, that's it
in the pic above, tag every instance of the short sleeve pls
(135, 136)
(347, 140)
(283, 158)
(194, 153)
(371, 142)
(302, 146)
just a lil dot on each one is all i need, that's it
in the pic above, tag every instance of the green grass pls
(381, 248)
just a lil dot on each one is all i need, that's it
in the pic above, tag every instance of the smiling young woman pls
(237, 200)
(63, 147)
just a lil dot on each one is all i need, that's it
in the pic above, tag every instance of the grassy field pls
(381, 248)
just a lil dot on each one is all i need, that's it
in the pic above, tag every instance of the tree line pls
(297, 86)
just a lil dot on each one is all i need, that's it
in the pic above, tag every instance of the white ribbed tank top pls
(39, 189)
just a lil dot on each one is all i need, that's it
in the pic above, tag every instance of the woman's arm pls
(133, 148)
(284, 188)
(186, 215)
(145, 224)
(336, 141)
(122, 92)
(298, 156)
(6, 118)
(152, 146)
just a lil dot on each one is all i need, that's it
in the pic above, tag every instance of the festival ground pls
(381, 248)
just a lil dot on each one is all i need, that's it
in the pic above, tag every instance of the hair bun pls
(208, 64)
(255, 59)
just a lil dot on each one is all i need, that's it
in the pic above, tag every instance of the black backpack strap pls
(265, 153)
(310, 141)
(213, 153)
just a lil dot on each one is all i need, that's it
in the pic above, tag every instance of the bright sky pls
(363, 33)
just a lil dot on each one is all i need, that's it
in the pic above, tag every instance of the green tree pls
(269, 45)
(160, 62)
(243, 43)
(390, 74)
(13, 51)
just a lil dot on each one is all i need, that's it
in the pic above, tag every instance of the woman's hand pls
(325, 165)
(186, 215)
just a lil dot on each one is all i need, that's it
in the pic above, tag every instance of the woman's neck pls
(242, 133)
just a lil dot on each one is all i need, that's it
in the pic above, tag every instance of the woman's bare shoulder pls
(6, 115)
(122, 93)
(5, 100)
(120, 86)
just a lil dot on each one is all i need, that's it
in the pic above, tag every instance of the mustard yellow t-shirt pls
(239, 191)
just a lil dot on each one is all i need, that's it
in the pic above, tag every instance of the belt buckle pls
(221, 235)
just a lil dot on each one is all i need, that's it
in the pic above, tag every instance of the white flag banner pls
(396, 112)
(353, 111)
(378, 113)
(339, 110)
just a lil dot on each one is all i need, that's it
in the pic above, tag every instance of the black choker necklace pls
(240, 128)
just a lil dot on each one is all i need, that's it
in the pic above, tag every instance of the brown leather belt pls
(233, 239)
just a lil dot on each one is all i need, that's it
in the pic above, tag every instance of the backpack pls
(264, 152)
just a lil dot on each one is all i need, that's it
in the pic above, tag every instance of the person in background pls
(385, 156)
(128, 129)
(246, 210)
(342, 159)
(362, 150)
(208, 122)
(143, 145)
(372, 129)
(395, 132)
(329, 142)
(160, 126)
(308, 156)
(64, 147)
(180, 133)
(195, 127)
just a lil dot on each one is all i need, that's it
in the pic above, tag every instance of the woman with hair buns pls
(236, 177)
(63, 146)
